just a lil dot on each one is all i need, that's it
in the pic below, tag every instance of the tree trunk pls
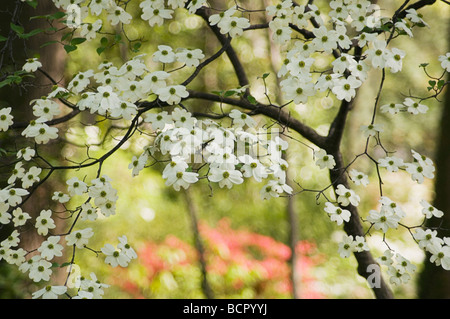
(434, 281)
(52, 58)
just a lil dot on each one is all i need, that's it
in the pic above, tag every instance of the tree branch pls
(275, 113)
(353, 227)
(238, 67)
(417, 5)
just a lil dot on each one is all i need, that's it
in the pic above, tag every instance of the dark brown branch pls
(206, 62)
(354, 228)
(65, 118)
(270, 111)
(337, 128)
(198, 243)
(223, 39)
(417, 5)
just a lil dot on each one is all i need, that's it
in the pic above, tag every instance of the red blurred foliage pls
(262, 256)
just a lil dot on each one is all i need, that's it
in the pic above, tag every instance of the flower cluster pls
(349, 245)
(419, 168)
(223, 152)
(399, 268)
(230, 153)
(302, 78)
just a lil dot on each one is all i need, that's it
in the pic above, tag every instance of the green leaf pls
(265, 75)
(48, 43)
(104, 41)
(54, 16)
(423, 65)
(432, 83)
(31, 33)
(65, 36)
(230, 93)
(117, 38)
(32, 3)
(65, 264)
(2, 38)
(136, 46)
(100, 50)
(70, 48)
(5, 83)
(16, 28)
(57, 15)
(440, 84)
(252, 100)
(77, 41)
(385, 27)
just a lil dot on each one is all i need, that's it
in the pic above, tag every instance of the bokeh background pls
(248, 242)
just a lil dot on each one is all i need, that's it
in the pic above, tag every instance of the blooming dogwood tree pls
(151, 94)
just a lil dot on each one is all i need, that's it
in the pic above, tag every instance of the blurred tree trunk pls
(434, 281)
(53, 61)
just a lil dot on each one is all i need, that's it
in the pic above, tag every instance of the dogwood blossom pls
(51, 248)
(165, 54)
(253, 168)
(44, 222)
(345, 88)
(88, 212)
(155, 16)
(60, 197)
(233, 25)
(158, 120)
(391, 163)
(445, 61)
(31, 176)
(225, 177)
(336, 213)
(358, 178)
(347, 196)
(182, 179)
(32, 65)
(387, 258)
(118, 15)
(371, 129)
(14, 195)
(20, 217)
(5, 217)
(414, 107)
(346, 246)
(26, 154)
(241, 119)
(125, 247)
(427, 237)
(79, 238)
(89, 31)
(16, 256)
(172, 94)
(190, 57)
(383, 219)
(50, 292)
(40, 269)
(5, 118)
(440, 255)
(392, 108)
(430, 211)
(12, 240)
(324, 160)
(115, 257)
(76, 187)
